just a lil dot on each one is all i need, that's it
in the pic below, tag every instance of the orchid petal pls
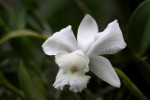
(101, 67)
(63, 40)
(77, 82)
(86, 32)
(109, 41)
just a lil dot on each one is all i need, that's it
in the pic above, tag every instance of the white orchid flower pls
(75, 58)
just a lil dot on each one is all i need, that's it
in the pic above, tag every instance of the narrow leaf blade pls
(138, 31)
(21, 33)
(30, 91)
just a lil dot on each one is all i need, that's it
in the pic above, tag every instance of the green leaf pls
(21, 33)
(139, 29)
(38, 71)
(18, 18)
(3, 25)
(30, 91)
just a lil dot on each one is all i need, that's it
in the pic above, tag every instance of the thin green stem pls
(144, 66)
(144, 63)
(131, 86)
(9, 86)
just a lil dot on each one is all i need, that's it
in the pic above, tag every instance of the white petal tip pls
(115, 22)
(58, 87)
(116, 84)
(121, 46)
(69, 26)
(88, 17)
(124, 45)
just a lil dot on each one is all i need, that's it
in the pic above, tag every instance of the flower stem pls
(131, 86)
(144, 67)
(10, 87)
(144, 63)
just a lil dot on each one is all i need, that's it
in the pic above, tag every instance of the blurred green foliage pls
(26, 73)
